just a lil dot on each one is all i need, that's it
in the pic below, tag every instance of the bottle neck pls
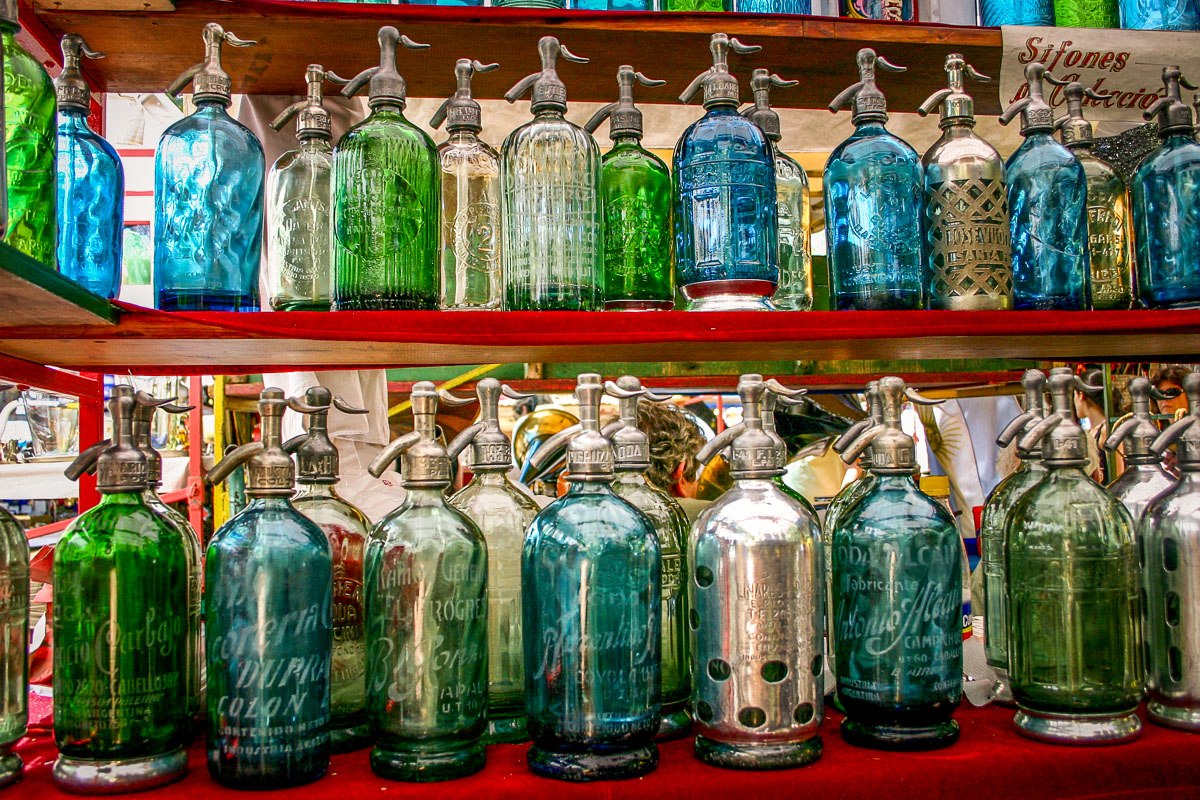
(71, 117)
(627, 141)
(274, 502)
(315, 143)
(722, 107)
(1080, 148)
(425, 496)
(315, 490)
(958, 127)
(463, 136)
(387, 108)
(631, 478)
(549, 113)
(870, 127)
(492, 478)
(588, 487)
(1179, 137)
(123, 498)
(1039, 136)
(895, 480)
(211, 106)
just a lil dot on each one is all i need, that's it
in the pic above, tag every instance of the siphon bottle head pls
(1073, 127)
(1136, 435)
(120, 465)
(461, 112)
(719, 85)
(549, 92)
(893, 452)
(1184, 433)
(957, 106)
(625, 118)
(589, 453)
(143, 417)
(316, 454)
(631, 445)
(385, 85)
(869, 104)
(1036, 114)
(761, 112)
(210, 82)
(1063, 440)
(70, 87)
(1034, 384)
(1174, 116)
(312, 119)
(491, 449)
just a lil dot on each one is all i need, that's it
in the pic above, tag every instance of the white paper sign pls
(1124, 64)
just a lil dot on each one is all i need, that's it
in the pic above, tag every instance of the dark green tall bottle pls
(14, 636)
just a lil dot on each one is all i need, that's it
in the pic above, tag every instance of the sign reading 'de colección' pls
(1126, 65)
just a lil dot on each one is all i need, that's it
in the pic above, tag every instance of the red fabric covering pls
(990, 762)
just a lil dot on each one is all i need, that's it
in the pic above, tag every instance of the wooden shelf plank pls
(146, 51)
(32, 294)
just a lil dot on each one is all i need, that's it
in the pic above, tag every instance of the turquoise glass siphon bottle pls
(552, 230)
(635, 195)
(503, 512)
(470, 175)
(14, 644)
(1144, 478)
(1074, 611)
(874, 202)
(756, 591)
(794, 292)
(897, 597)
(427, 606)
(726, 227)
(29, 144)
(591, 590)
(348, 530)
(1047, 204)
(208, 196)
(91, 184)
(993, 527)
(1170, 544)
(1166, 205)
(994, 13)
(300, 207)
(120, 630)
(1160, 15)
(967, 237)
(386, 197)
(268, 580)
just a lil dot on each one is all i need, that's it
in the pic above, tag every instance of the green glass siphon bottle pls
(14, 644)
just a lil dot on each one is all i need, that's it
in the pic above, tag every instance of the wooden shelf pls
(32, 294)
(149, 342)
(147, 50)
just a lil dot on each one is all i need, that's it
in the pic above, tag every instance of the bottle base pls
(10, 769)
(349, 739)
(639, 305)
(395, 303)
(206, 300)
(85, 776)
(900, 737)
(427, 764)
(731, 302)
(674, 725)
(758, 756)
(580, 767)
(300, 305)
(506, 730)
(1078, 728)
(971, 302)
(1187, 719)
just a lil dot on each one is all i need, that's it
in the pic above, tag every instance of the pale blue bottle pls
(1160, 15)
(994, 13)
(1166, 205)
(725, 214)
(1047, 205)
(91, 184)
(208, 197)
(874, 205)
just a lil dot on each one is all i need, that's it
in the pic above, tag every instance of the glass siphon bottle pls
(612, 5)
(874, 197)
(591, 590)
(91, 184)
(1074, 612)
(897, 596)
(1170, 542)
(386, 197)
(120, 578)
(726, 227)
(29, 146)
(268, 607)
(967, 237)
(994, 13)
(635, 196)
(1160, 15)
(1110, 227)
(1047, 204)
(470, 182)
(1144, 477)
(697, 5)
(503, 513)
(14, 644)
(552, 230)
(427, 604)
(299, 207)
(348, 530)
(208, 196)
(794, 291)
(1086, 14)
(888, 10)
(1166, 205)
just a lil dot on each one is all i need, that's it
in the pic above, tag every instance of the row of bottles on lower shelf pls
(388, 221)
(599, 623)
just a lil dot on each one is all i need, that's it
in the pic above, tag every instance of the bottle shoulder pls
(757, 509)
(876, 146)
(582, 520)
(553, 132)
(633, 158)
(1177, 510)
(478, 156)
(377, 128)
(1036, 157)
(84, 137)
(412, 524)
(20, 62)
(1172, 157)
(660, 507)
(478, 500)
(1062, 509)
(896, 508)
(275, 527)
(117, 525)
(333, 512)
(307, 160)
(969, 151)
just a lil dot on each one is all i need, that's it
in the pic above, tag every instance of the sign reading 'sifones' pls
(1126, 67)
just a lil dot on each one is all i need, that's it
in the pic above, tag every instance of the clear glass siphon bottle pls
(120, 713)
(1110, 227)
(635, 193)
(503, 513)
(348, 530)
(1160, 15)
(208, 196)
(994, 13)
(427, 604)
(591, 591)
(874, 199)
(967, 237)
(300, 207)
(552, 230)
(470, 174)
(386, 197)
(268, 579)
(14, 644)
(1166, 205)
(91, 184)
(1144, 477)
(1074, 611)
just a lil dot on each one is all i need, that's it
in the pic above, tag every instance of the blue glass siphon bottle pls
(994, 13)
(726, 224)
(426, 589)
(1047, 204)
(91, 184)
(208, 196)
(591, 595)
(268, 580)
(874, 204)
(897, 597)
(1144, 478)
(1160, 15)
(1166, 205)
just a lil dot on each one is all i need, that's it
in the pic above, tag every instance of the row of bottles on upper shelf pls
(599, 623)
(386, 220)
